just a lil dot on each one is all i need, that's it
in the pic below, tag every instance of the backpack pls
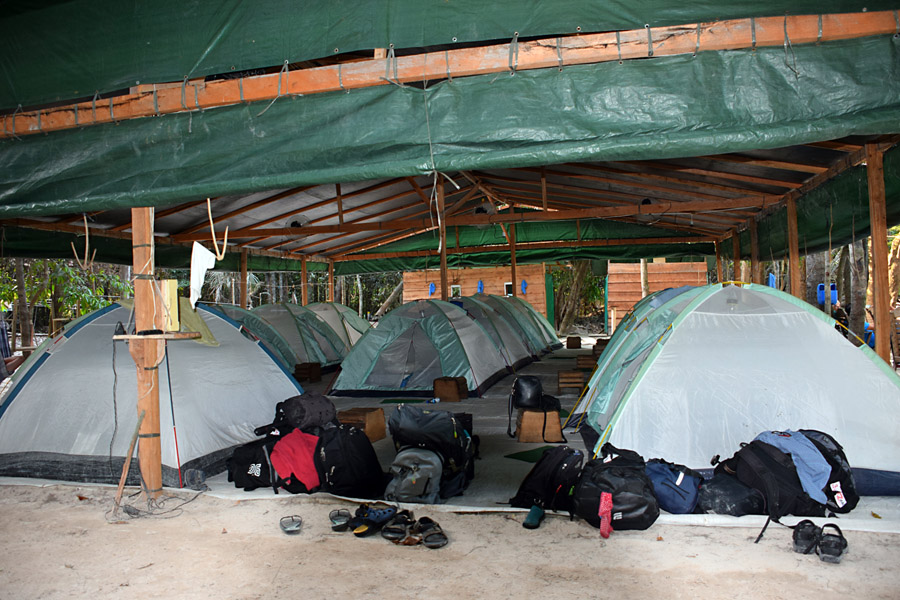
(528, 394)
(416, 477)
(767, 469)
(249, 466)
(440, 431)
(841, 488)
(347, 464)
(551, 482)
(305, 412)
(620, 473)
(293, 460)
(676, 487)
(725, 495)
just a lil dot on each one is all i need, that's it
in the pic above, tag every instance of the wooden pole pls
(878, 227)
(645, 279)
(244, 280)
(331, 281)
(512, 256)
(147, 353)
(543, 189)
(719, 262)
(304, 292)
(442, 220)
(755, 267)
(126, 466)
(736, 256)
(794, 251)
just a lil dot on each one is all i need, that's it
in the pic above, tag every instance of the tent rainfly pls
(258, 327)
(415, 344)
(69, 413)
(348, 325)
(524, 324)
(713, 366)
(311, 339)
(505, 335)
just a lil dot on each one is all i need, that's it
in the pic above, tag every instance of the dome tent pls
(715, 365)
(523, 323)
(268, 336)
(70, 410)
(415, 344)
(508, 339)
(348, 325)
(541, 323)
(311, 339)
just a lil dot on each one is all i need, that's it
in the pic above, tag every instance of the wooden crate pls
(568, 379)
(530, 426)
(573, 342)
(451, 389)
(370, 420)
(599, 347)
(586, 361)
(311, 372)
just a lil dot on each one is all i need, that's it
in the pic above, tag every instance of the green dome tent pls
(311, 339)
(348, 325)
(415, 344)
(260, 328)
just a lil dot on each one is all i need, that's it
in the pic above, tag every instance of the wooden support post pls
(794, 251)
(645, 279)
(340, 203)
(147, 353)
(718, 261)
(544, 189)
(244, 279)
(512, 255)
(442, 221)
(736, 256)
(878, 227)
(304, 284)
(331, 281)
(755, 266)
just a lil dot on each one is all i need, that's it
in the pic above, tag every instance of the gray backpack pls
(416, 477)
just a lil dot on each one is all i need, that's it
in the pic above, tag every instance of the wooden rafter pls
(166, 97)
(645, 171)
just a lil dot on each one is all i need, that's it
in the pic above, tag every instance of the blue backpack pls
(677, 488)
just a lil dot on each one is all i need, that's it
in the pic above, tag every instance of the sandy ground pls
(58, 542)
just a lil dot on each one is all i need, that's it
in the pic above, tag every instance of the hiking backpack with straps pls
(347, 463)
(416, 477)
(841, 489)
(551, 482)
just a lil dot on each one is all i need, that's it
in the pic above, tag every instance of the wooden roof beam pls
(639, 174)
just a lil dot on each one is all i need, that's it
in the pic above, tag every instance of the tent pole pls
(736, 255)
(878, 227)
(512, 256)
(244, 279)
(304, 298)
(755, 271)
(147, 353)
(442, 225)
(794, 250)
(331, 281)
(718, 262)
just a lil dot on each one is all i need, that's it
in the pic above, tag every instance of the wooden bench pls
(567, 379)
(308, 371)
(573, 342)
(599, 347)
(370, 420)
(586, 361)
(530, 426)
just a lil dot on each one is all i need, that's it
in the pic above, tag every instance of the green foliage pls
(591, 300)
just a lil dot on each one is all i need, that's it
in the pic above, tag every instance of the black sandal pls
(340, 519)
(397, 529)
(832, 545)
(291, 524)
(430, 532)
(806, 536)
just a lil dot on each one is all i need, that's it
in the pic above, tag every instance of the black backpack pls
(551, 482)
(841, 488)
(347, 463)
(620, 473)
(725, 495)
(249, 466)
(442, 432)
(305, 412)
(767, 469)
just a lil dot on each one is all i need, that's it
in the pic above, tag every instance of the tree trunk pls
(842, 276)
(359, 291)
(859, 276)
(24, 314)
(894, 269)
(815, 274)
(645, 279)
(387, 303)
(572, 300)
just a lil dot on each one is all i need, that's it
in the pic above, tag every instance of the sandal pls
(291, 524)
(397, 529)
(340, 519)
(806, 536)
(370, 519)
(430, 532)
(831, 545)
